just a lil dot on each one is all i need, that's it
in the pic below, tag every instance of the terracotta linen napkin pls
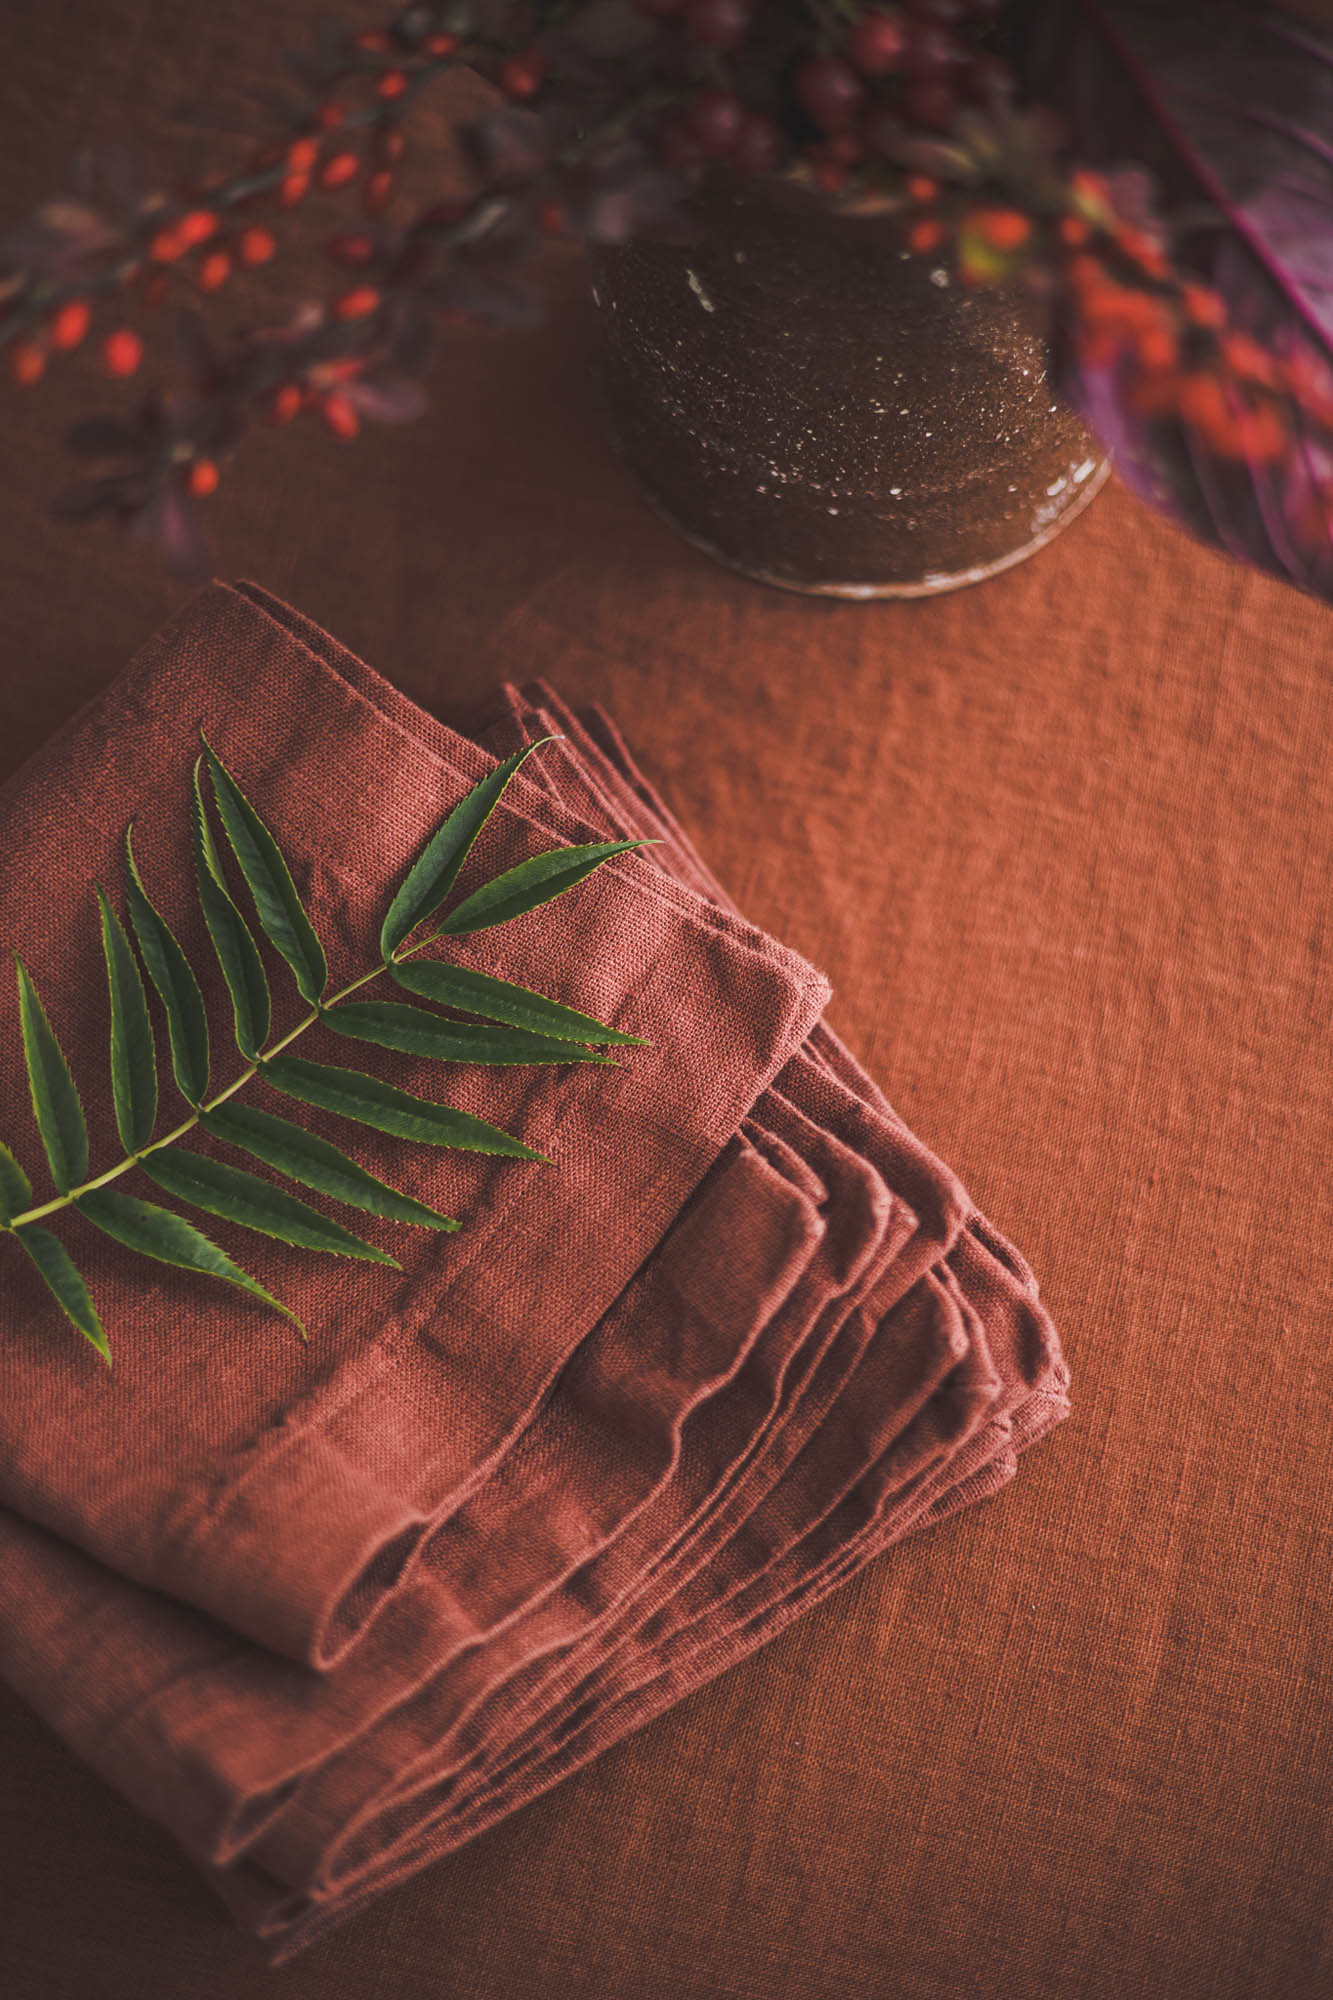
(283, 1490)
(729, 1437)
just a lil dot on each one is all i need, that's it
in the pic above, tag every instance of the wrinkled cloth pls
(350, 1607)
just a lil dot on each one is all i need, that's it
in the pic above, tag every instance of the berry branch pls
(605, 116)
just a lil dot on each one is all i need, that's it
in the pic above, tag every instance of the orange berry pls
(1202, 402)
(1263, 435)
(293, 189)
(356, 304)
(1157, 347)
(255, 245)
(302, 154)
(196, 227)
(285, 402)
(921, 188)
(1002, 229)
(1203, 306)
(69, 323)
(392, 84)
(340, 414)
(203, 478)
(338, 170)
(214, 271)
(1246, 358)
(1136, 243)
(122, 351)
(377, 192)
(925, 236)
(27, 362)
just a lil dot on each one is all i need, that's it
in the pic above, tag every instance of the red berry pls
(122, 351)
(551, 219)
(302, 154)
(758, 145)
(356, 304)
(876, 44)
(203, 478)
(69, 323)
(718, 24)
(830, 91)
(293, 189)
(390, 145)
(285, 403)
(373, 40)
(392, 84)
(440, 45)
(339, 169)
(340, 414)
(925, 235)
(715, 118)
(196, 228)
(27, 362)
(522, 75)
(330, 115)
(166, 246)
(255, 246)
(214, 271)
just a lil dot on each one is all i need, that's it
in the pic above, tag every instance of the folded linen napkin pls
(811, 1346)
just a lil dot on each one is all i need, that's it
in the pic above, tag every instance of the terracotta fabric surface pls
(1065, 843)
(584, 1524)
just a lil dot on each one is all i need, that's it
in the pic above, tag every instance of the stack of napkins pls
(329, 1611)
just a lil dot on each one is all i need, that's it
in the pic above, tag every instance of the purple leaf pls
(1231, 112)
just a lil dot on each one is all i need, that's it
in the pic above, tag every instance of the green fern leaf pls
(416, 1031)
(237, 952)
(15, 1187)
(397, 1112)
(169, 1239)
(62, 1278)
(316, 1164)
(472, 992)
(529, 885)
(177, 987)
(240, 1197)
(55, 1100)
(278, 906)
(435, 870)
(133, 1050)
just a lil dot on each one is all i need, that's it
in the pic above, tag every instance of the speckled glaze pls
(823, 412)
